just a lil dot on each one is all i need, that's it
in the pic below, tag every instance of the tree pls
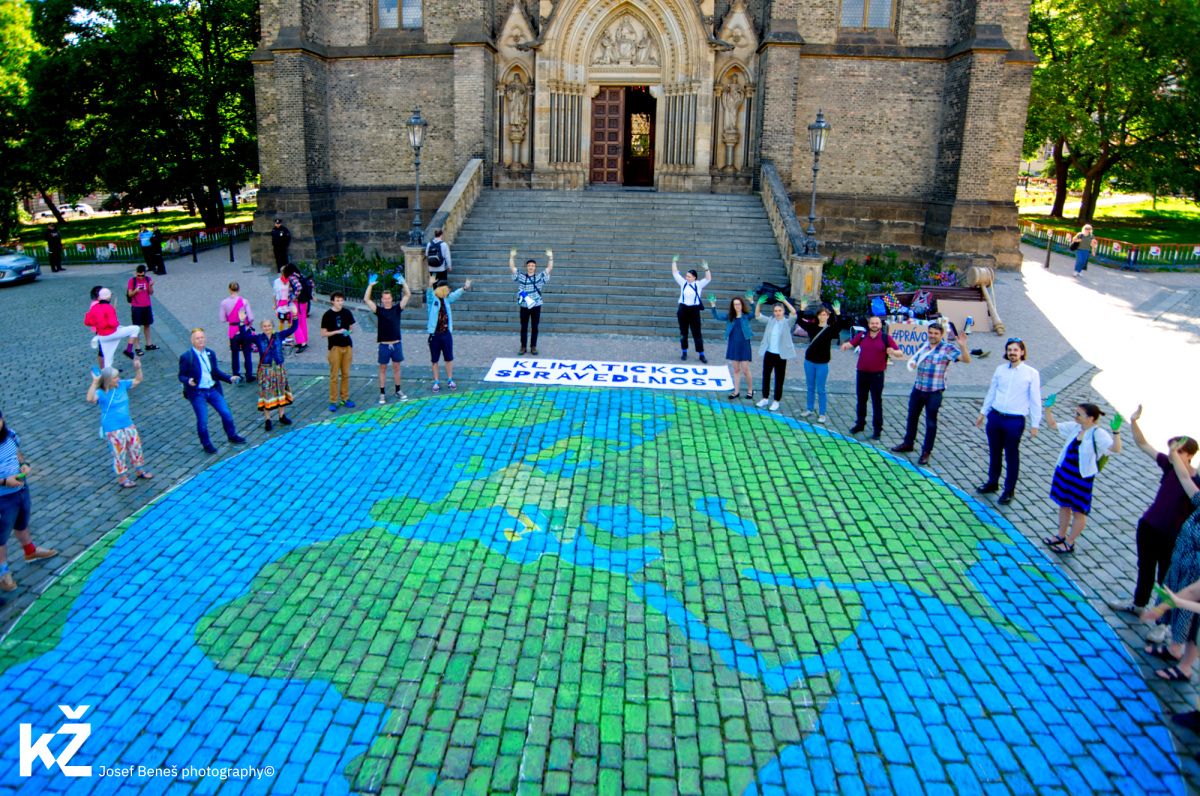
(16, 47)
(153, 98)
(1114, 86)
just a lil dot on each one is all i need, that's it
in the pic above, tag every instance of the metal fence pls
(183, 244)
(1119, 253)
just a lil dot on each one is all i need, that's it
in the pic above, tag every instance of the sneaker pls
(683, 355)
(348, 403)
(822, 418)
(806, 413)
(237, 440)
(333, 407)
(268, 425)
(39, 553)
(382, 399)
(401, 396)
(1123, 607)
(857, 428)
(774, 407)
(452, 385)
(521, 353)
(210, 450)
(285, 420)
(7, 583)
(763, 403)
(533, 351)
(1158, 634)
(437, 387)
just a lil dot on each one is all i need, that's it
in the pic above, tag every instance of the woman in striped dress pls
(1078, 464)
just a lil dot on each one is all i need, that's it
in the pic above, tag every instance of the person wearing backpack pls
(300, 293)
(529, 295)
(1083, 456)
(437, 257)
(688, 312)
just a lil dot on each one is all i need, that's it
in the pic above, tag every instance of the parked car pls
(17, 267)
(248, 195)
(81, 208)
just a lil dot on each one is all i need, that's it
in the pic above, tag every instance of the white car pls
(248, 195)
(80, 208)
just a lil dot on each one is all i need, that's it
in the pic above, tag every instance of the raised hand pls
(1050, 400)
(712, 299)
(675, 260)
(704, 265)
(467, 285)
(837, 307)
(549, 254)
(1137, 414)
(779, 296)
(761, 299)
(512, 253)
(372, 278)
(749, 295)
(1116, 422)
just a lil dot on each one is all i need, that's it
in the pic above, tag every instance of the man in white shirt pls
(1015, 394)
(688, 313)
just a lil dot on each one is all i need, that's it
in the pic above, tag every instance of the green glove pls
(749, 295)
(712, 298)
(1116, 422)
(779, 296)
(675, 259)
(837, 307)
(761, 299)
(1051, 399)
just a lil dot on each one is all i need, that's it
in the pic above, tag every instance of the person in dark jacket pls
(54, 247)
(281, 239)
(201, 378)
(274, 392)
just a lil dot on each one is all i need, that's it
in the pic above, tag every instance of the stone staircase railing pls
(449, 218)
(804, 272)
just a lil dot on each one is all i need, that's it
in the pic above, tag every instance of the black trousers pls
(1154, 549)
(689, 320)
(281, 257)
(869, 384)
(773, 363)
(240, 345)
(56, 261)
(528, 315)
(1004, 438)
(931, 402)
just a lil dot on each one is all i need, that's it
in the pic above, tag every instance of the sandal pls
(1053, 540)
(127, 484)
(145, 475)
(1062, 548)
(750, 395)
(1162, 651)
(1172, 674)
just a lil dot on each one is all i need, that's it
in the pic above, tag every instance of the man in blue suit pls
(201, 379)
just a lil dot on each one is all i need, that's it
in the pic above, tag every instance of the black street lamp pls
(416, 138)
(818, 132)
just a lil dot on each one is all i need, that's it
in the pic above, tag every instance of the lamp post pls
(818, 132)
(416, 138)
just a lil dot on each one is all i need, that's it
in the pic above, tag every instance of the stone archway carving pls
(663, 44)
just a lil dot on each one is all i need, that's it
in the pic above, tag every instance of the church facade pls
(927, 102)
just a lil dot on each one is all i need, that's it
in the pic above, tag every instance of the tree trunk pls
(1091, 192)
(58, 216)
(1060, 180)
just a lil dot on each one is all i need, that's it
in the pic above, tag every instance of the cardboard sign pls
(909, 336)
(583, 373)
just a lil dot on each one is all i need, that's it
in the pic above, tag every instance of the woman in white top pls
(688, 313)
(1082, 456)
(776, 347)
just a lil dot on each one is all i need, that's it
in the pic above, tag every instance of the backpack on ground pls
(307, 286)
(434, 257)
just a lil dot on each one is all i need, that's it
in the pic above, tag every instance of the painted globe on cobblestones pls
(567, 591)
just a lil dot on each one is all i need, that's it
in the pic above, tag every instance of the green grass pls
(1173, 221)
(118, 227)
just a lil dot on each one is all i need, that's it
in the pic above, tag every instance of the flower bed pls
(852, 281)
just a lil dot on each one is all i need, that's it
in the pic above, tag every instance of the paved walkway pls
(585, 591)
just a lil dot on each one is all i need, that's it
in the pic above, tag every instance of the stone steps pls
(612, 257)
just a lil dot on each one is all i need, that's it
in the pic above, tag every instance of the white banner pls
(582, 373)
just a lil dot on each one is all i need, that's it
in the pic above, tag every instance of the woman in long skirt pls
(274, 392)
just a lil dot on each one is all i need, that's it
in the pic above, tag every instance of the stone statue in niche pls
(731, 103)
(730, 97)
(626, 42)
(516, 105)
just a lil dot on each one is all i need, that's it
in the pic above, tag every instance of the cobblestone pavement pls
(568, 591)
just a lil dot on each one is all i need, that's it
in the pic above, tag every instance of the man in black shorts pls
(138, 290)
(387, 322)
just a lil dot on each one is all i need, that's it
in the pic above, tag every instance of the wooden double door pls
(622, 128)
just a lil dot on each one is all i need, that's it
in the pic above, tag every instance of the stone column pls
(416, 274)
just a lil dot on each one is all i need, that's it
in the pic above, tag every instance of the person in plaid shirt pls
(930, 363)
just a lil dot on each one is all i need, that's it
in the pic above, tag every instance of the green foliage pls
(125, 227)
(852, 281)
(1117, 82)
(147, 97)
(17, 46)
(1164, 221)
(349, 271)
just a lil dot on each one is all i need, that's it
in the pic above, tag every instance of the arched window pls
(868, 14)
(404, 14)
